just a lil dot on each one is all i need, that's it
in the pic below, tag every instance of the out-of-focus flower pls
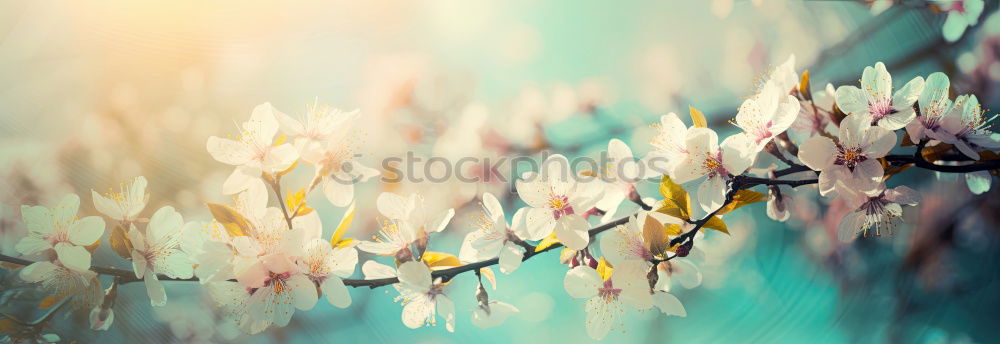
(423, 298)
(158, 252)
(875, 98)
(496, 239)
(408, 222)
(324, 138)
(556, 201)
(978, 182)
(318, 126)
(852, 161)
(326, 266)
(961, 15)
(970, 129)
(253, 153)
(608, 291)
(58, 229)
(125, 204)
(706, 157)
(881, 209)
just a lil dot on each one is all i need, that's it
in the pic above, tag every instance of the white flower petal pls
(882, 140)
(446, 309)
(818, 153)
(73, 257)
(978, 182)
(669, 304)
(712, 193)
(38, 272)
(165, 225)
(279, 158)
(336, 292)
(303, 291)
(373, 270)
(582, 282)
(38, 219)
(738, 153)
(510, 257)
(850, 226)
(852, 100)
(338, 190)
(242, 178)
(154, 288)
(415, 276)
(228, 151)
(393, 206)
(571, 230)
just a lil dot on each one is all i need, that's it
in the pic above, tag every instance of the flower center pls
(57, 237)
(881, 107)
(608, 291)
(850, 158)
(277, 281)
(560, 206)
(713, 164)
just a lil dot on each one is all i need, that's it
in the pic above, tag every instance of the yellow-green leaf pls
(296, 202)
(345, 242)
(48, 301)
(675, 194)
(545, 243)
(697, 118)
(440, 260)
(654, 234)
(345, 222)
(742, 198)
(673, 211)
(604, 269)
(235, 224)
(804, 88)
(716, 223)
(120, 242)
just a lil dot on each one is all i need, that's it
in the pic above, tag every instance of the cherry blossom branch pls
(917, 159)
(127, 276)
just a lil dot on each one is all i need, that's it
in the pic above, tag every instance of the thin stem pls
(276, 186)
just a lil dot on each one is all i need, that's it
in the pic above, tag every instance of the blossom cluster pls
(261, 259)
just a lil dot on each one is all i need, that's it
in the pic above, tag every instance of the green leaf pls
(675, 195)
(547, 242)
(235, 224)
(697, 118)
(716, 223)
(742, 198)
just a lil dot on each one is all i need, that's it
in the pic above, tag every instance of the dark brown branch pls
(918, 160)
